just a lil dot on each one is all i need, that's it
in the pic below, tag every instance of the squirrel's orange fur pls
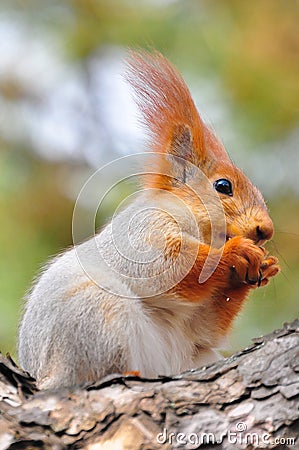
(132, 298)
(168, 112)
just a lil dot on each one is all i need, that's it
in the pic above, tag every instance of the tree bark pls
(247, 401)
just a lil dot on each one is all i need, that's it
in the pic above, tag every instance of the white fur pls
(94, 310)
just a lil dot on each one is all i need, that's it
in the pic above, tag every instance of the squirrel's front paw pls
(249, 263)
(269, 268)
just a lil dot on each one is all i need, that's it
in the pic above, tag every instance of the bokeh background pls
(65, 110)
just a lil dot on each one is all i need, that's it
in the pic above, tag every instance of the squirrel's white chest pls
(156, 351)
(158, 344)
(162, 344)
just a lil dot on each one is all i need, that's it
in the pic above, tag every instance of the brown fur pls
(176, 129)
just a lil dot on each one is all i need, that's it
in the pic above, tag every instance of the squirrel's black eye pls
(223, 186)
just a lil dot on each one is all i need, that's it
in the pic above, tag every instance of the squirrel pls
(130, 299)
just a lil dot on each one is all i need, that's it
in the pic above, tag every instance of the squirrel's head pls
(244, 207)
(189, 160)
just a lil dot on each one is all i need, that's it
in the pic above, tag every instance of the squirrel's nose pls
(263, 232)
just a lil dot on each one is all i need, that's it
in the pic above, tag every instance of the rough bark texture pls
(248, 401)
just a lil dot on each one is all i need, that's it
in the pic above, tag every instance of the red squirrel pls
(137, 303)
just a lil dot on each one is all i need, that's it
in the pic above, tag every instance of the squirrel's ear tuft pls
(181, 143)
(167, 109)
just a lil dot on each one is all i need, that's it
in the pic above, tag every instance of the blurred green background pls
(64, 111)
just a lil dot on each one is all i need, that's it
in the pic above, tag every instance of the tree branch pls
(247, 401)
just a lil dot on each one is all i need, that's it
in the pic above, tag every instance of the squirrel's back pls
(133, 298)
